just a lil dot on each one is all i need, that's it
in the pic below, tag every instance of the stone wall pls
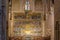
(57, 18)
(3, 19)
(0, 18)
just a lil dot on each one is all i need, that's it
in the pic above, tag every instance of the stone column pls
(4, 19)
(50, 19)
(43, 15)
(0, 19)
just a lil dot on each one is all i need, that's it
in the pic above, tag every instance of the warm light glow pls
(28, 32)
(28, 26)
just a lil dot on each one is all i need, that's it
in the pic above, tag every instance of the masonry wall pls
(0, 18)
(57, 18)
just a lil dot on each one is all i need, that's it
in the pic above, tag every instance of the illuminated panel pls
(27, 28)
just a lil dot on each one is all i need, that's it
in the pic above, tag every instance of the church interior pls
(29, 20)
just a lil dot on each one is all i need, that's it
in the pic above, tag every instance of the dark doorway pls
(57, 30)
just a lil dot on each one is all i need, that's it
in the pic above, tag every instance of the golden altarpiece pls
(26, 20)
